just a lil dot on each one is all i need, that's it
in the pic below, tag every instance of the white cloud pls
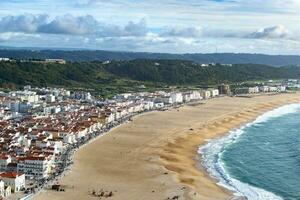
(70, 25)
(5, 37)
(8, 36)
(189, 32)
(136, 29)
(22, 23)
(274, 32)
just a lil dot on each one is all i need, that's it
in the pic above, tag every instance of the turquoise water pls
(262, 159)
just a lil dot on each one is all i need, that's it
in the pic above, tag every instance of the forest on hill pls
(101, 55)
(118, 76)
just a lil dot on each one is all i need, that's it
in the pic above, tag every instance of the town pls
(41, 128)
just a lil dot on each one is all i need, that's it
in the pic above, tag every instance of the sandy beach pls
(154, 157)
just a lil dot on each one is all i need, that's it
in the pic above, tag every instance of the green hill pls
(100, 55)
(119, 76)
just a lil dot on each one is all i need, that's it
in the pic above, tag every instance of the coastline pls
(137, 160)
(212, 151)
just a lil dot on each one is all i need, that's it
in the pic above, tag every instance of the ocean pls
(261, 160)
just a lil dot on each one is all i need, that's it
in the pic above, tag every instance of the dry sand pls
(155, 156)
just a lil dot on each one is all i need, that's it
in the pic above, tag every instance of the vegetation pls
(89, 55)
(185, 72)
(121, 76)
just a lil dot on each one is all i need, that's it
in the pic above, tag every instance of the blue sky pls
(175, 26)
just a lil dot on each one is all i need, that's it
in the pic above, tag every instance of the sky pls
(169, 26)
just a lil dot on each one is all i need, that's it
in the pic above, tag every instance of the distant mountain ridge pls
(100, 55)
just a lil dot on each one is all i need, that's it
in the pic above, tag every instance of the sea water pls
(261, 160)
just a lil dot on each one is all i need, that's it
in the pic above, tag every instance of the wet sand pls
(155, 156)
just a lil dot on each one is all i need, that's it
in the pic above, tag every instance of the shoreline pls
(163, 164)
(247, 117)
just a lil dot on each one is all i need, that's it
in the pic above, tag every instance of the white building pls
(195, 95)
(86, 96)
(264, 88)
(50, 98)
(177, 97)
(15, 180)
(36, 167)
(159, 105)
(166, 99)
(4, 59)
(68, 138)
(205, 94)
(123, 96)
(59, 61)
(186, 97)
(20, 107)
(148, 105)
(272, 89)
(4, 161)
(214, 92)
(5, 191)
(47, 110)
(281, 88)
(253, 90)
(110, 117)
(27, 87)
(28, 96)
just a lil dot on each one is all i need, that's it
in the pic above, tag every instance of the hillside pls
(119, 76)
(187, 72)
(90, 55)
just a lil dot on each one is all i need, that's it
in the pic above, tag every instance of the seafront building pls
(206, 94)
(260, 89)
(224, 89)
(16, 181)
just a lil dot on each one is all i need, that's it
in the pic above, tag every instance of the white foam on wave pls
(212, 151)
(284, 110)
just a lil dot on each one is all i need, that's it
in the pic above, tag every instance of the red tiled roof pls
(33, 158)
(4, 157)
(10, 175)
